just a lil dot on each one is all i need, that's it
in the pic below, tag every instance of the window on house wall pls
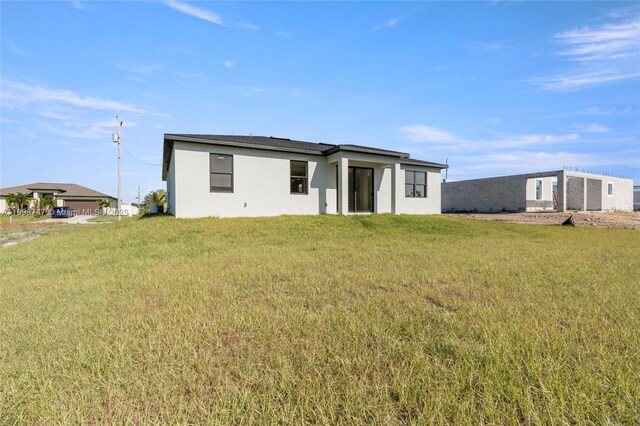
(538, 189)
(221, 172)
(299, 177)
(610, 189)
(415, 184)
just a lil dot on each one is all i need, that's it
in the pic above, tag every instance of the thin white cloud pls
(442, 139)
(572, 82)
(610, 41)
(77, 5)
(228, 64)
(248, 25)
(82, 130)
(23, 94)
(140, 68)
(604, 54)
(530, 161)
(196, 11)
(425, 134)
(391, 23)
(595, 128)
(13, 47)
(5, 120)
(487, 46)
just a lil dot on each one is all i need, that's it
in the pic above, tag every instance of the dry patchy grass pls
(337, 320)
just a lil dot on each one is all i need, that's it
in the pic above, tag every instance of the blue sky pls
(495, 87)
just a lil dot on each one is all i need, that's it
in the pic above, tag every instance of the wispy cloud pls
(391, 23)
(487, 46)
(595, 128)
(248, 25)
(593, 111)
(140, 68)
(228, 64)
(77, 5)
(5, 120)
(572, 81)
(425, 134)
(13, 47)
(80, 130)
(529, 161)
(23, 94)
(610, 41)
(517, 153)
(196, 11)
(604, 54)
(442, 139)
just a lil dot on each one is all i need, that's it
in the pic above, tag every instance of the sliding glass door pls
(360, 190)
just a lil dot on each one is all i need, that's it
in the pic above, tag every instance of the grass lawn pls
(25, 218)
(111, 219)
(337, 320)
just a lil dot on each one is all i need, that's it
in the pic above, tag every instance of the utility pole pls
(116, 139)
(139, 202)
(446, 171)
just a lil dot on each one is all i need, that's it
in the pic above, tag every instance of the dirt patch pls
(12, 234)
(619, 220)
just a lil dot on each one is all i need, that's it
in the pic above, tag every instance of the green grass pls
(334, 320)
(111, 219)
(25, 218)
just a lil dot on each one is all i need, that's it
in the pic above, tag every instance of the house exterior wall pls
(505, 193)
(431, 204)
(517, 193)
(171, 186)
(575, 193)
(594, 194)
(261, 183)
(622, 198)
(3, 205)
(546, 201)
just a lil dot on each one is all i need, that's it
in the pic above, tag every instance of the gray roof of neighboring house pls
(280, 144)
(63, 190)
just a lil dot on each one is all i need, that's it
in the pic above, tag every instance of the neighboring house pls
(543, 191)
(79, 198)
(229, 176)
(125, 210)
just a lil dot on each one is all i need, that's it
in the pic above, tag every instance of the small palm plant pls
(18, 201)
(103, 205)
(47, 203)
(159, 198)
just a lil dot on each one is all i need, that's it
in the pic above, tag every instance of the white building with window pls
(233, 176)
(557, 190)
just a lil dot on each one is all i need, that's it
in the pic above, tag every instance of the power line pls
(140, 161)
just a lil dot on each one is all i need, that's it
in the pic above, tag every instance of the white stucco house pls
(234, 176)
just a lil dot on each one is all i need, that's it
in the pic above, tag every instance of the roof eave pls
(169, 139)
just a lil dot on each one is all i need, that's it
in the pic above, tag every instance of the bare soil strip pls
(616, 220)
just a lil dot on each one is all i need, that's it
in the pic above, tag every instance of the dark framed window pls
(415, 184)
(299, 177)
(221, 173)
(538, 189)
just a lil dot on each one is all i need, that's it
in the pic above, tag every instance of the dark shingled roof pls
(264, 141)
(279, 144)
(64, 190)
